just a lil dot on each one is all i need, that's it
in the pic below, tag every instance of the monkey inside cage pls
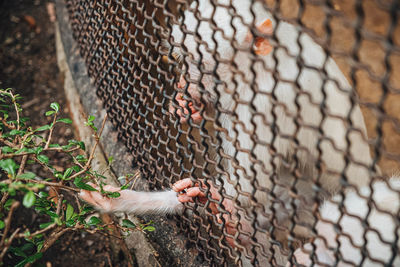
(272, 127)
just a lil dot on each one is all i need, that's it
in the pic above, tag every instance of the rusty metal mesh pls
(137, 62)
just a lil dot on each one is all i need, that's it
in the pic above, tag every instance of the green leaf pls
(91, 118)
(113, 194)
(94, 220)
(69, 212)
(27, 175)
(50, 112)
(9, 166)
(43, 128)
(2, 224)
(125, 187)
(7, 149)
(110, 160)
(67, 173)
(80, 184)
(58, 221)
(70, 223)
(8, 204)
(128, 224)
(18, 251)
(17, 132)
(43, 194)
(82, 145)
(24, 149)
(39, 245)
(55, 106)
(38, 150)
(52, 214)
(30, 259)
(43, 158)
(149, 228)
(99, 175)
(76, 168)
(44, 225)
(81, 158)
(29, 199)
(65, 120)
(54, 145)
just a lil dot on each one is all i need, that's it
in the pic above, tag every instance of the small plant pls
(29, 181)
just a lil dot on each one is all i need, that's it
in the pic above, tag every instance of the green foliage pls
(128, 224)
(29, 199)
(9, 166)
(24, 151)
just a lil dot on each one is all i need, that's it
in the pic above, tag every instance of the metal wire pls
(136, 62)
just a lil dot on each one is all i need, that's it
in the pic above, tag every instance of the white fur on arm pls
(164, 202)
(161, 202)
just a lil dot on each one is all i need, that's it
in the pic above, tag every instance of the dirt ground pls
(28, 64)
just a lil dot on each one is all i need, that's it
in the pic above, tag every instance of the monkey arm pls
(162, 202)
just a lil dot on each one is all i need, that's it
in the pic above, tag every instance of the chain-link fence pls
(266, 106)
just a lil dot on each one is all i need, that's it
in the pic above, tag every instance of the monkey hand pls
(100, 201)
(183, 110)
(188, 191)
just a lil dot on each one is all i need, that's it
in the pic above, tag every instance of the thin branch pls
(16, 109)
(54, 236)
(6, 142)
(9, 242)
(109, 260)
(43, 165)
(77, 163)
(9, 126)
(51, 131)
(22, 165)
(58, 185)
(57, 149)
(135, 178)
(77, 202)
(3, 200)
(38, 232)
(24, 139)
(8, 222)
(91, 155)
(59, 204)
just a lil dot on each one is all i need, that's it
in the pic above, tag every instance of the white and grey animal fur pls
(256, 85)
(275, 102)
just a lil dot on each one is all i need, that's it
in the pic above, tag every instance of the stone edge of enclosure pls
(167, 245)
(137, 240)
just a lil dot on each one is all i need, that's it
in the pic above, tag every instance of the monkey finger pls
(230, 226)
(195, 192)
(86, 196)
(182, 185)
(101, 202)
(93, 185)
(196, 117)
(111, 188)
(184, 198)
